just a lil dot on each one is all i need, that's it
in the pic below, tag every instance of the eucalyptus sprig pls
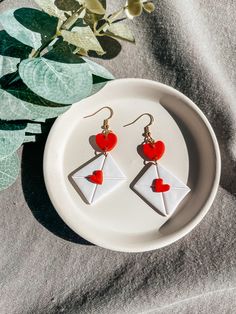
(45, 65)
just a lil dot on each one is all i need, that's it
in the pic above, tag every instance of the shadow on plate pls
(194, 158)
(36, 196)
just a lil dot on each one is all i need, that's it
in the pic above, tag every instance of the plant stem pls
(109, 21)
(45, 45)
(66, 25)
(71, 20)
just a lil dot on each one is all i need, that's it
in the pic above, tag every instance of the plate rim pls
(191, 224)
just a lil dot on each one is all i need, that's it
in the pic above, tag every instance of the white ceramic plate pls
(122, 221)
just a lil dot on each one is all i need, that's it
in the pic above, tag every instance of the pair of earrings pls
(158, 187)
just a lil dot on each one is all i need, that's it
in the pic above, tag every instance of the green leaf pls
(82, 37)
(9, 170)
(97, 87)
(120, 31)
(59, 82)
(103, 3)
(8, 65)
(40, 120)
(21, 91)
(94, 6)
(109, 44)
(49, 7)
(30, 138)
(67, 5)
(29, 26)
(98, 70)
(92, 18)
(100, 75)
(34, 128)
(98, 83)
(134, 8)
(13, 108)
(18, 31)
(31, 131)
(149, 7)
(18, 102)
(11, 47)
(63, 52)
(11, 137)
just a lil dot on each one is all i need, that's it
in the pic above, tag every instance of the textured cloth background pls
(46, 268)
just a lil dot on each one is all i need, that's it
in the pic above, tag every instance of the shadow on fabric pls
(36, 196)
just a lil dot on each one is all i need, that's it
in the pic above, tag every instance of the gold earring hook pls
(144, 114)
(105, 126)
(106, 107)
(147, 133)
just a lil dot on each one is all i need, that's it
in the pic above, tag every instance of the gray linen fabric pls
(46, 268)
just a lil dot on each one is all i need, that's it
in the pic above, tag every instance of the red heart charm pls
(154, 151)
(96, 177)
(158, 186)
(106, 142)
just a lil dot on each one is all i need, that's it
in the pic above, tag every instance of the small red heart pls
(96, 177)
(106, 142)
(154, 151)
(158, 186)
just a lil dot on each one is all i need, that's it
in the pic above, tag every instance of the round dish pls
(123, 221)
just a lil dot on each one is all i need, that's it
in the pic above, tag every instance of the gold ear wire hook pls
(105, 122)
(147, 133)
(106, 107)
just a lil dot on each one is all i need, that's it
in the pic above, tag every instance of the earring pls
(101, 175)
(157, 186)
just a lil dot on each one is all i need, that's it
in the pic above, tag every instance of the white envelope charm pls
(161, 189)
(98, 178)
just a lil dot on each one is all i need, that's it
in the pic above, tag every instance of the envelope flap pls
(165, 202)
(149, 175)
(169, 178)
(173, 197)
(144, 187)
(111, 170)
(178, 190)
(86, 188)
(96, 164)
(112, 178)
